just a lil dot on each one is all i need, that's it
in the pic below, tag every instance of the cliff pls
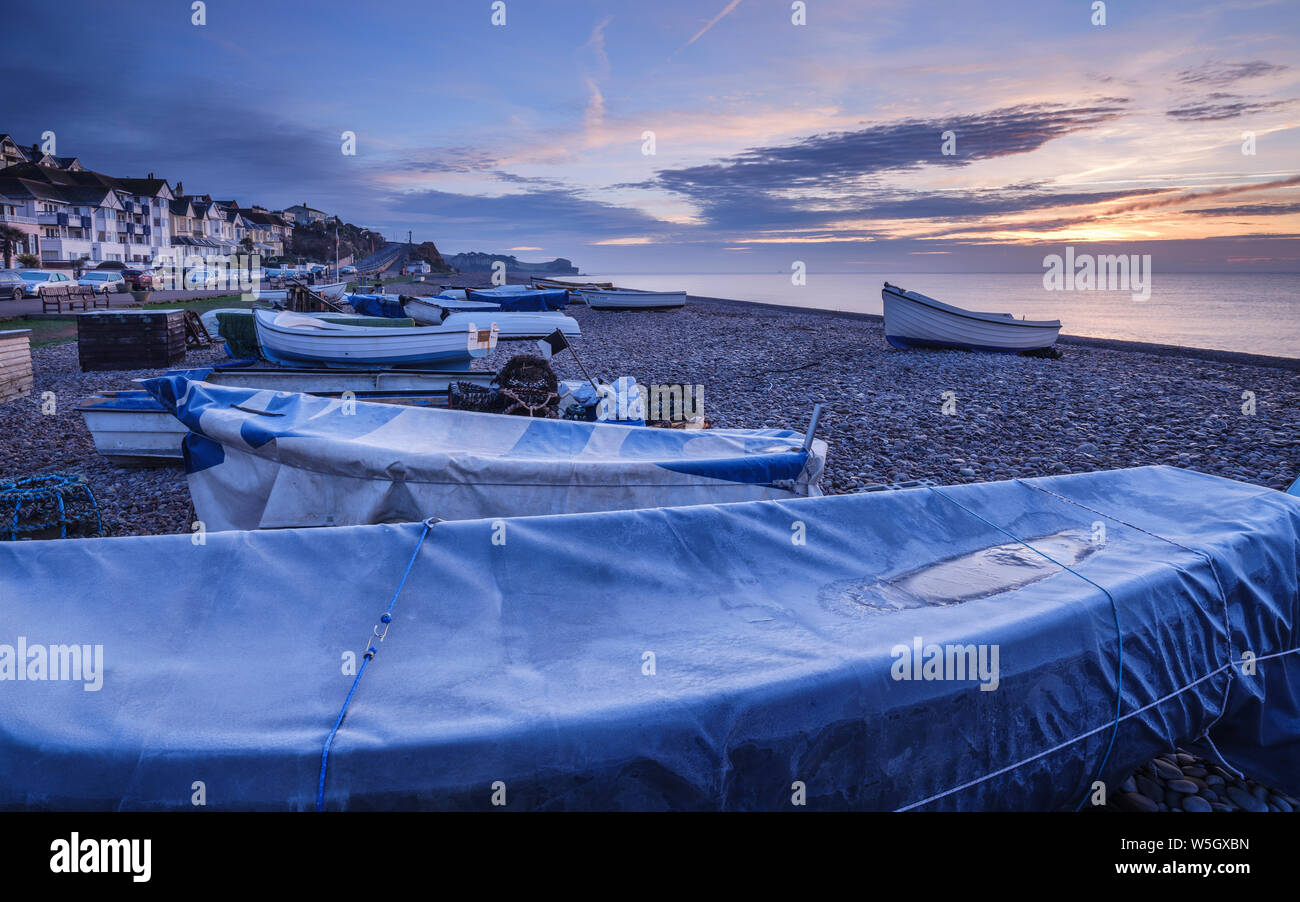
(477, 261)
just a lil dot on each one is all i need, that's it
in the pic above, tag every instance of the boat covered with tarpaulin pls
(259, 459)
(671, 658)
(132, 428)
(520, 297)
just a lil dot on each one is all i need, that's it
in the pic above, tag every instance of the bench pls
(53, 298)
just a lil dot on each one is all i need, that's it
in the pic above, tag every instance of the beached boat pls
(293, 337)
(511, 324)
(131, 428)
(909, 655)
(521, 298)
(632, 299)
(265, 459)
(914, 320)
(568, 284)
(278, 296)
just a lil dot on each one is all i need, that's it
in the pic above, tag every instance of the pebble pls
(1184, 786)
(1167, 770)
(1196, 804)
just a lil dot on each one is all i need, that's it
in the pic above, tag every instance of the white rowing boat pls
(511, 325)
(915, 320)
(130, 428)
(631, 299)
(333, 292)
(293, 337)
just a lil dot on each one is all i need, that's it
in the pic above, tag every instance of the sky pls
(772, 142)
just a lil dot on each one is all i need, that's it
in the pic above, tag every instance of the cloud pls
(1220, 74)
(1219, 105)
(524, 215)
(827, 160)
(1177, 200)
(714, 21)
(1247, 210)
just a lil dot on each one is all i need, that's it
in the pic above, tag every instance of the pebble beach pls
(889, 416)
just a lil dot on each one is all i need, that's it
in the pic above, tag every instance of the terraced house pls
(81, 215)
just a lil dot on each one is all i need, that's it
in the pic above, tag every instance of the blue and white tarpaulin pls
(889, 650)
(513, 298)
(275, 459)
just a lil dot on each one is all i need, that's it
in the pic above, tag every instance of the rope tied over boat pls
(372, 648)
(1119, 634)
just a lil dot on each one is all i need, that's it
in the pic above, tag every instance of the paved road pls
(26, 306)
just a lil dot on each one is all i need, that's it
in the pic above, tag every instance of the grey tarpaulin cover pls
(688, 658)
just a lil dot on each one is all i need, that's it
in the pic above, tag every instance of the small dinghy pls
(521, 297)
(293, 337)
(511, 324)
(632, 299)
(913, 320)
(131, 428)
(277, 296)
(270, 459)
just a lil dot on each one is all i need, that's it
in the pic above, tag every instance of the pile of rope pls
(54, 506)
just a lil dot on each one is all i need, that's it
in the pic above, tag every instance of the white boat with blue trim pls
(292, 337)
(511, 324)
(913, 320)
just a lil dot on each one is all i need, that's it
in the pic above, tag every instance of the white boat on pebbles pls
(511, 324)
(131, 428)
(278, 296)
(632, 299)
(913, 320)
(292, 338)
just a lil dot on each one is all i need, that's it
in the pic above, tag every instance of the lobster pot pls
(15, 364)
(130, 339)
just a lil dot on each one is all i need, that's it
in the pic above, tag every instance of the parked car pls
(202, 279)
(104, 280)
(38, 280)
(347, 271)
(12, 285)
(138, 279)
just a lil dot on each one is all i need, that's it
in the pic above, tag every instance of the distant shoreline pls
(1115, 344)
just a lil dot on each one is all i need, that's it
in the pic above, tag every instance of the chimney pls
(36, 152)
(180, 189)
(149, 176)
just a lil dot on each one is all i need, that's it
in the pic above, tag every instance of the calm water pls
(1258, 313)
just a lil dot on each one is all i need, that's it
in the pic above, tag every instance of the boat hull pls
(131, 428)
(333, 292)
(294, 341)
(633, 300)
(913, 320)
(511, 325)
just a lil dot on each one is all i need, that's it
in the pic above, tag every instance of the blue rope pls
(385, 619)
(1119, 635)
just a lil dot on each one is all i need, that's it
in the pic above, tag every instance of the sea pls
(1258, 313)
